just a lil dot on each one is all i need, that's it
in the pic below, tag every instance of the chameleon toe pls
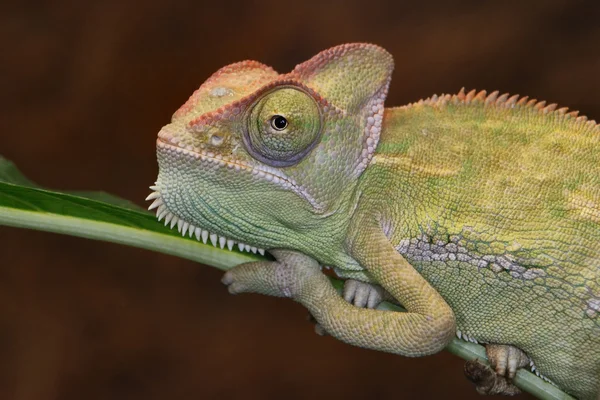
(361, 294)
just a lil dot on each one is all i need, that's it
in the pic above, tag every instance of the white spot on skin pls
(216, 140)
(221, 92)
(533, 273)
(593, 307)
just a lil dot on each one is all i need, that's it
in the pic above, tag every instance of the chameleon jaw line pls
(185, 227)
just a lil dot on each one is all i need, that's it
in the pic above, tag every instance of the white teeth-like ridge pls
(161, 214)
(185, 227)
(153, 195)
(156, 203)
(465, 337)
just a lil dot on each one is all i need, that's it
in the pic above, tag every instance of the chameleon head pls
(263, 159)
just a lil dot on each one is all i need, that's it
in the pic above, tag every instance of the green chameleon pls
(479, 213)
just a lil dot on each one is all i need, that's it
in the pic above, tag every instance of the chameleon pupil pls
(278, 122)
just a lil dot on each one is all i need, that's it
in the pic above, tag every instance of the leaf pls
(101, 216)
(10, 174)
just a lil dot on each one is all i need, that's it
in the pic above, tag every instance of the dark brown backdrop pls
(85, 87)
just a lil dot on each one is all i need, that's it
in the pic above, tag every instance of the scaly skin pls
(478, 213)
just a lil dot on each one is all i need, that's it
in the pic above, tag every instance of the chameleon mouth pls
(261, 171)
(184, 227)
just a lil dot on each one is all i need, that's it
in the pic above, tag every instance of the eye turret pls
(283, 126)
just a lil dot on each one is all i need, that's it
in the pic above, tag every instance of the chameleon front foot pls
(504, 360)
(284, 277)
(364, 295)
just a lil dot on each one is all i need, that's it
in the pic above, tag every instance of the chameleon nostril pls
(216, 140)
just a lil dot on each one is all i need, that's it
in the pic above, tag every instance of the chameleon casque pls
(479, 213)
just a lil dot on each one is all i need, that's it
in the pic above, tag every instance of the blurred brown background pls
(85, 87)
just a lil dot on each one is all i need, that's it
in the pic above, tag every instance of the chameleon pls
(479, 213)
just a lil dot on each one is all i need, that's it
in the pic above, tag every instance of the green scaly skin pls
(480, 214)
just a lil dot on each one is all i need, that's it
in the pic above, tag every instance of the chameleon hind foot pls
(504, 360)
(487, 381)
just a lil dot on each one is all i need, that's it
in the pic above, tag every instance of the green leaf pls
(10, 174)
(101, 216)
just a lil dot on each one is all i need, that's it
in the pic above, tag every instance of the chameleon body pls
(479, 213)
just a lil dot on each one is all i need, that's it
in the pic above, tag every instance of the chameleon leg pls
(429, 323)
(298, 276)
(505, 361)
(360, 294)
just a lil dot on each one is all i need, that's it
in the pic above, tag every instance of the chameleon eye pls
(282, 126)
(279, 122)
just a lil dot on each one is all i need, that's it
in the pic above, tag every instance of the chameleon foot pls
(363, 295)
(487, 381)
(506, 359)
(284, 277)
